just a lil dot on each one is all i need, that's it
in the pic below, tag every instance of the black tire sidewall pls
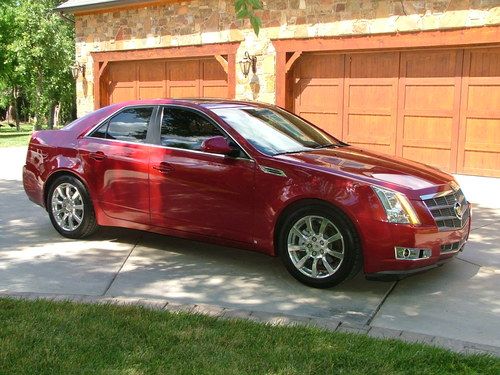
(351, 248)
(88, 210)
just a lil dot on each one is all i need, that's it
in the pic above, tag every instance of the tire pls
(70, 208)
(338, 245)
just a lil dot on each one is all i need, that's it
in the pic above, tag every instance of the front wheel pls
(319, 246)
(70, 208)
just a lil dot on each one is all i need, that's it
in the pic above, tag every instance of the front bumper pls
(380, 239)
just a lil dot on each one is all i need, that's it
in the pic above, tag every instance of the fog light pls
(409, 253)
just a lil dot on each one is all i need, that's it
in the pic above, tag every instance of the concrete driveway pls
(460, 300)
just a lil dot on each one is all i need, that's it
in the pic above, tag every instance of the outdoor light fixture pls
(247, 63)
(76, 69)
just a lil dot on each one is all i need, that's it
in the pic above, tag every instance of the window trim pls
(247, 157)
(152, 121)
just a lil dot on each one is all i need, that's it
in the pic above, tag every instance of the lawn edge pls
(328, 324)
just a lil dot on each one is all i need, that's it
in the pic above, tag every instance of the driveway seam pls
(468, 261)
(379, 306)
(121, 267)
(481, 226)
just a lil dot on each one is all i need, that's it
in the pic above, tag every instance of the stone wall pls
(213, 21)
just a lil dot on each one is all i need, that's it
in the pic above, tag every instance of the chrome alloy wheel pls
(316, 246)
(67, 206)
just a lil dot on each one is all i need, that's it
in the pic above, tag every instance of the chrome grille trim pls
(441, 207)
(453, 247)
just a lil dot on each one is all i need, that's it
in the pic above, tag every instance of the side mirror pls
(218, 145)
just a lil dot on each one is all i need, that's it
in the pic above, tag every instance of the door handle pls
(98, 155)
(163, 168)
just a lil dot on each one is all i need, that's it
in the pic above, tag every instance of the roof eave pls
(96, 6)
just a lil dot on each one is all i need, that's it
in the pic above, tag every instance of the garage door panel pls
(430, 131)
(483, 163)
(484, 63)
(484, 97)
(214, 91)
(213, 71)
(183, 92)
(429, 105)
(123, 73)
(378, 97)
(316, 77)
(321, 66)
(374, 65)
(429, 97)
(151, 71)
(482, 133)
(157, 92)
(435, 157)
(479, 141)
(329, 122)
(311, 92)
(121, 94)
(183, 70)
(370, 131)
(428, 64)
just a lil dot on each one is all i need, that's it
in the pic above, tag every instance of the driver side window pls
(182, 128)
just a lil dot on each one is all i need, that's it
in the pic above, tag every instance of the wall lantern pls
(77, 69)
(247, 63)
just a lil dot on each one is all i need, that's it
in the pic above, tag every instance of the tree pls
(37, 50)
(44, 47)
(10, 78)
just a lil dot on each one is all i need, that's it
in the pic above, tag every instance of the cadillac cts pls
(252, 176)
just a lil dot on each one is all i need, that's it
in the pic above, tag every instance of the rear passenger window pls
(130, 125)
(182, 128)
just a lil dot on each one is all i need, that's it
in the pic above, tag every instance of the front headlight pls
(397, 207)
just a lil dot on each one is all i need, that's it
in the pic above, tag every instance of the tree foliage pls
(37, 49)
(246, 9)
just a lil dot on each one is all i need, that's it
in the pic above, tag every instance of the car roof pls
(207, 103)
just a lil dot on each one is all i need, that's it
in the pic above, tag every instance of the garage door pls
(152, 79)
(441, 107)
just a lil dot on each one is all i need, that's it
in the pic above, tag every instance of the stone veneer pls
(213, 21)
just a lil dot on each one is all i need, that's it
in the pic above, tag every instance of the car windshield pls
(275, 131)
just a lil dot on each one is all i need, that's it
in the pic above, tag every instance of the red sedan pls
(252, 176)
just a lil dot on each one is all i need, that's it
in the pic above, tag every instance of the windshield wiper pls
(290, 152)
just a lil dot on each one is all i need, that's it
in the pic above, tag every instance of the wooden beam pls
(222, 61)
(292, 60)
(443, 38)
(97, 86)
(281, 78)
(167, 52)
(231, 75)
(102, 68)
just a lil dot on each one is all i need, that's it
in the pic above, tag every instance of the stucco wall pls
(213, 21)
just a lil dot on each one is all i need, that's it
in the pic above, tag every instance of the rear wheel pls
(319, 246)
(70, 208)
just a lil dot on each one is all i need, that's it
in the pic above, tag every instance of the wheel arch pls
(304, 202)
(55, 175)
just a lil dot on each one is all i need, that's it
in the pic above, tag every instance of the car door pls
(195, 191)
(115, 158)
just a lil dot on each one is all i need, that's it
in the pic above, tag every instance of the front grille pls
(442, 209)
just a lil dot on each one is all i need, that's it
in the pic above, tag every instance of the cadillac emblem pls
(458, 210)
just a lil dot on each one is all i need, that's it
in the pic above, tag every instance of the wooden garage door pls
(130, 80)
(440, 107)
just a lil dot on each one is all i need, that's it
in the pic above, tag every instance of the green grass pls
(10, 137)
(42, 337)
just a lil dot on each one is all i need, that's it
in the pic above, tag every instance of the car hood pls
(375, 168)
